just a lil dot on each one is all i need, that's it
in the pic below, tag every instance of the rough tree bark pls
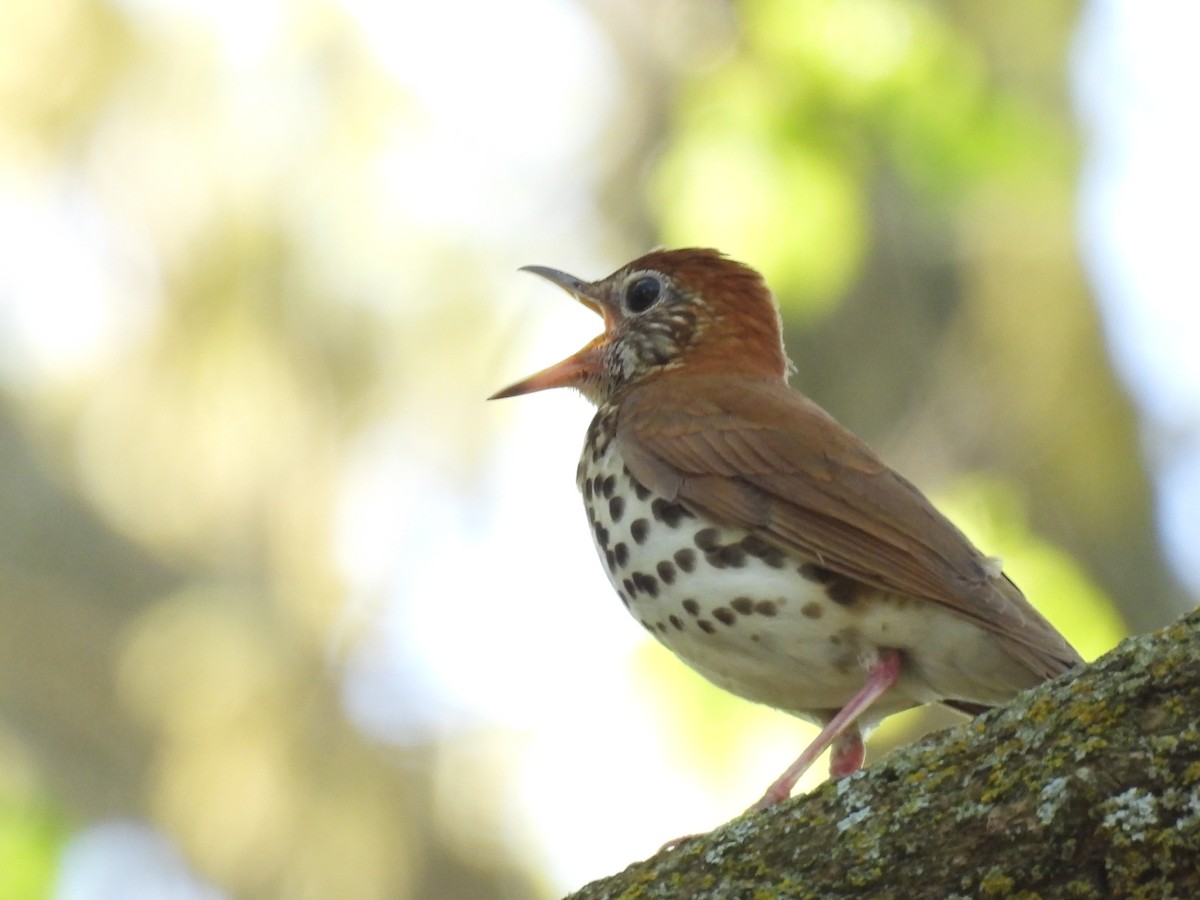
(1088, 786)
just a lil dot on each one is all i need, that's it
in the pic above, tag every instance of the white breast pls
(766, 625)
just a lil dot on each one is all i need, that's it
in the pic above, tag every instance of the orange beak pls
(588, 363)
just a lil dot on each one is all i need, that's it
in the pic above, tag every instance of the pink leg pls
(841, 732)
(847, 754)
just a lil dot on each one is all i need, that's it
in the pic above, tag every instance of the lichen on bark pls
(1087, 786)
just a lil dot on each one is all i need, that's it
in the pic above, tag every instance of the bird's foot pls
(841, 733)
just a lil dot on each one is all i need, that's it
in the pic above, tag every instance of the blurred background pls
(286, 610)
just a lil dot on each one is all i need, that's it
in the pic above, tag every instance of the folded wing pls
(758, 455)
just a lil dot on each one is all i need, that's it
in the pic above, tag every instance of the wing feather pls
(757, 455)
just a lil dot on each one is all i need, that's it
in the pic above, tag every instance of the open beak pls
(582, 366)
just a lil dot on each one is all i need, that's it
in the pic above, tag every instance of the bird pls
(759, 540)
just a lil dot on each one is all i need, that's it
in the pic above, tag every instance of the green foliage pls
(31, 837)
(771, 151)
(751, 210)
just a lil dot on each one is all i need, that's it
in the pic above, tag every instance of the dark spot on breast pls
(685, 559)
(661, 626)
(638, 529)
(587, 490)
(766, 607)
(744, 605)
(630, 587)
(676, 622)
(812, 610)
(775, 558)
(591, 513)
(647, 584)
(611, 559)
(624, 598)
(621, 552)
(643, 492)
(616, 508)
(816, 573)
(725, 615)
(691, 607)
(666, 571)
(706, 626)
(707, 539)
(596, 482)
(842, 591)
(608, 485)
(757, 547)
(730, 556)
(647, 625)
(670, 514)
(601, 534)
(733, 555)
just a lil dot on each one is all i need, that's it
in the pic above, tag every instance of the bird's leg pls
(841, 732)
(847, 754)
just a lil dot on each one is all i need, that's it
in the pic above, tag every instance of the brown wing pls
(761, 456)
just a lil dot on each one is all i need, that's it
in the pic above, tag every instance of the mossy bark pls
(1088, 786)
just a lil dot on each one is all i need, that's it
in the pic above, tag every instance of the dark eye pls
(642, 294)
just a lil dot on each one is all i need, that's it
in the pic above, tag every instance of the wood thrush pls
(764, 544)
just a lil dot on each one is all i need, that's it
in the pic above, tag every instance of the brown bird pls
(764, 544)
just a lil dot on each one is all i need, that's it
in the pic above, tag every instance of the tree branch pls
(1088, 786)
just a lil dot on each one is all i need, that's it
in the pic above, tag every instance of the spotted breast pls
(762, 623)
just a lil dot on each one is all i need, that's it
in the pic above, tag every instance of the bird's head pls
(670, 311)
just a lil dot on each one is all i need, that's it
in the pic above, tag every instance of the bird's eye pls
(642, 294)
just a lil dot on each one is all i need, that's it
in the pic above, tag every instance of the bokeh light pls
(289, 610)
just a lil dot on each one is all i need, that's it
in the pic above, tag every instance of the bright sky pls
(1135, 69)
(1136, 72)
